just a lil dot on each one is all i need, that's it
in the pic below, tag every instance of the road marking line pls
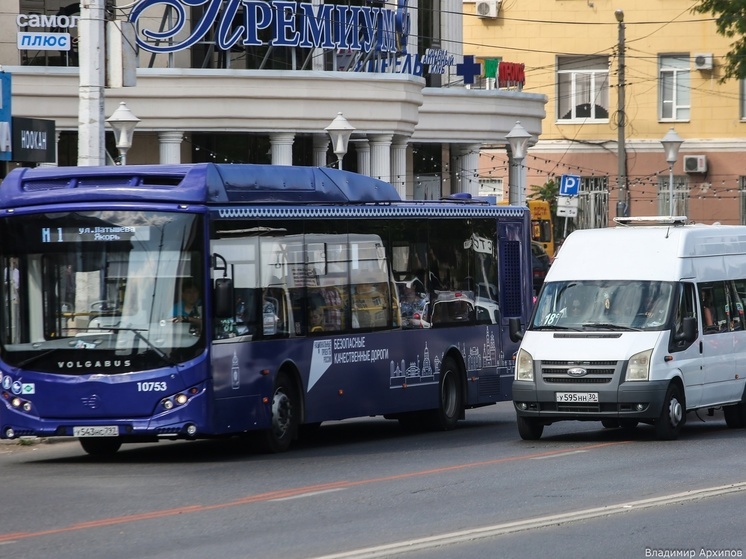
(559, 454)
(423, 544)
(304, 495)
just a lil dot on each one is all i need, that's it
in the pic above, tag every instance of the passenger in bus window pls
(316, 319)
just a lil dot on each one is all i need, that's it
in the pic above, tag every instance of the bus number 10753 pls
(152, 387)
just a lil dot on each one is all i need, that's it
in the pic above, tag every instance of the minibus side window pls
(716, 309)
(685, 307)
(736, 289)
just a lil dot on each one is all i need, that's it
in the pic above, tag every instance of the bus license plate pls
(96, 431)
(577, 397)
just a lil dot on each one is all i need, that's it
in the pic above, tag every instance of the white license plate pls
(96, 431)
(577, 397)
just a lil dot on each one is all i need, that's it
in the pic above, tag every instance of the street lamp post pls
(340, 131)
(518, 139)
(671, 144)
(123, 122)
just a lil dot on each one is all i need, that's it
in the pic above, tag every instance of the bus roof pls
(233, 190)
(196, 183)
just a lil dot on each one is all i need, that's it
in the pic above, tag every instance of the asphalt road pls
(365, 488)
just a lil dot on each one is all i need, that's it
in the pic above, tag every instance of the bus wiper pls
(34, 358)
(138, 334)
(610, 326)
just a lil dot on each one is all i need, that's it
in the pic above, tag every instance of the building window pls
(680, 195)
(673, 89)
(742, 100)
(583, 88)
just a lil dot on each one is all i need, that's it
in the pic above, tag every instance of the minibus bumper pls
(640, 401)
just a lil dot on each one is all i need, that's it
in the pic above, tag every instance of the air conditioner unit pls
(695, 163)
(487, 8)
(703, 61)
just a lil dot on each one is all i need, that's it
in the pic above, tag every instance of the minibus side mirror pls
(514, 328)
(223, 298)
(688, 330)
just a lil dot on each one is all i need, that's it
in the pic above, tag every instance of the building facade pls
(258, 82)
(621, 73)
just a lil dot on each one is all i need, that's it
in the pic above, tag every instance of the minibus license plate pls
(96, 431)
(577, 396)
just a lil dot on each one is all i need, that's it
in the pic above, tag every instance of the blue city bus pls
(310, 295)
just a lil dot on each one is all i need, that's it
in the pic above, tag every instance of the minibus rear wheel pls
(735, 415)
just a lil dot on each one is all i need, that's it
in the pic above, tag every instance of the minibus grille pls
(597, 372)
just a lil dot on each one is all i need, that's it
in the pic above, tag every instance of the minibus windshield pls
(604, 305)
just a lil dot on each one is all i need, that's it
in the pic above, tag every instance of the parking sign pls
(569, 185)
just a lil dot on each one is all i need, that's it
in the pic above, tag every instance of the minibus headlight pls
(524, 366)
(639, 366)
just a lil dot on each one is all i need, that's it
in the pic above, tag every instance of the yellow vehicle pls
(541, 224)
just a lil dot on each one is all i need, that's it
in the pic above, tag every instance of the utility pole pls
(92, 52)
(622, 205)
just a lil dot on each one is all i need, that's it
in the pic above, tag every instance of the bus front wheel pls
(285, 416)
(100, 446)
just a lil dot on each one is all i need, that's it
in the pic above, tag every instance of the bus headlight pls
(639, 366)
(524, 366)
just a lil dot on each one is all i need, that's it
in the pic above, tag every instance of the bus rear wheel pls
(450, 396)
(285, 416)
(101, 447)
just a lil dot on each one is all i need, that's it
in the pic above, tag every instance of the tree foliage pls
(730, 19)
(549, 191)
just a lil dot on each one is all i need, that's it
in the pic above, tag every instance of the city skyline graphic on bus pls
(428, 371)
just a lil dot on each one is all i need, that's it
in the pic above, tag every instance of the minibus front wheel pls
(673, 414)
(529, 428)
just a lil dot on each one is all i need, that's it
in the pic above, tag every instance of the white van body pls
(620, 335)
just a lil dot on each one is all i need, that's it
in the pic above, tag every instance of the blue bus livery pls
(191, 301)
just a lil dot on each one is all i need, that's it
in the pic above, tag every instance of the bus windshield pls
(604, 305)
(99, 290)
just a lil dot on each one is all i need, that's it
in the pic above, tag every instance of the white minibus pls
(639, 323)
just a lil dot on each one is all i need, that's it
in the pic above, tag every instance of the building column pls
(320, 149)
(170, 147)
(465, 168)
(452, 33)
(413, 8)
(399, 165)
(362, 148)
(380, 156)
(282, 147)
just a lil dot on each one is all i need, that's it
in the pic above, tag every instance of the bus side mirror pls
(223, 298)
(514, 327)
